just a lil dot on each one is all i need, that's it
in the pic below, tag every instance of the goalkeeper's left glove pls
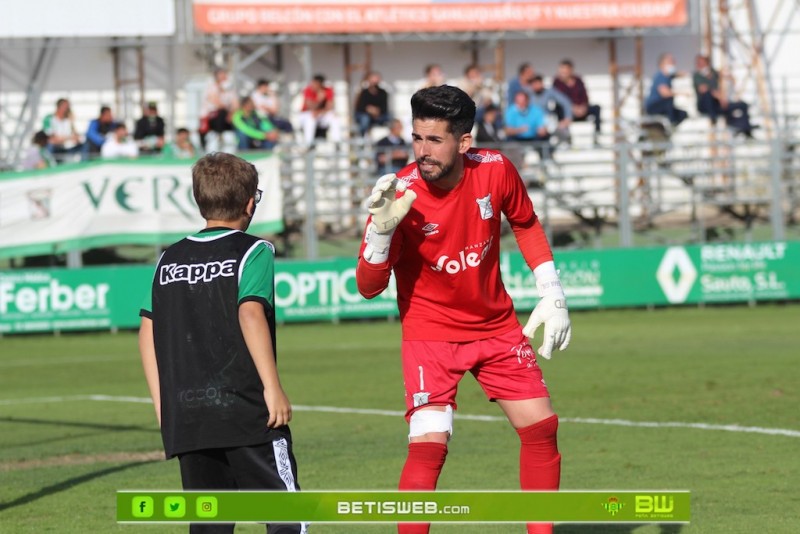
(550, 311)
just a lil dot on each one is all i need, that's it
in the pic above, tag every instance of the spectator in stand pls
(149, 130)
(525, 122)
(712, 103)
(488, 132)
(571, 85)
(98, 131)
(372, 104)
(60, 129)
(392, 151)
(268, 104)
(254, 130)
(317, 116)
(549, 99)
(219, 103)
(182, 146)
(661, 100)
(479, 89)
(434, 76)
(38, 155)
(119, 144)
(522, 82)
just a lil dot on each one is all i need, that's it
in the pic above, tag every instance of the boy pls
(207, 342)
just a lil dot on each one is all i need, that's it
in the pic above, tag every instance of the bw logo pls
(659, 504)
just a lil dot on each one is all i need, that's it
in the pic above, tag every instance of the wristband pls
(377, 249)
(547, 280)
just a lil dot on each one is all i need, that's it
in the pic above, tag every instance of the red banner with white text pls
(376, 16)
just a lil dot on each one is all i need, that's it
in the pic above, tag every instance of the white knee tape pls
(427, 420)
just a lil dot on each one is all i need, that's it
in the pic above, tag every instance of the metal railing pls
(621, 194)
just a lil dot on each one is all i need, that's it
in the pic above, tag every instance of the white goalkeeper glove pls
(387, 211)
(550, 311)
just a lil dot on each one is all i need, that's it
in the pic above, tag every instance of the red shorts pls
(505, 367)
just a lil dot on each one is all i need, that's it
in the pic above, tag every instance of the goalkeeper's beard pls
(433, 176)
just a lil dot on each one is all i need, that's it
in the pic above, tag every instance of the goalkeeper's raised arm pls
(388, 203)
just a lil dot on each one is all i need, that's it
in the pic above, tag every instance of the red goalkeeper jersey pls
(446, 252)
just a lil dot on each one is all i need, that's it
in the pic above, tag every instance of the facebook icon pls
(142, 507)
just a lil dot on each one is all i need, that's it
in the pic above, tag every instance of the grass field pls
(62, 459)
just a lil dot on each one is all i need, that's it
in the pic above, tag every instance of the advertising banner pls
(114, 203)
(110, 297)
(627, 506)
(93, 298)
(380, 16)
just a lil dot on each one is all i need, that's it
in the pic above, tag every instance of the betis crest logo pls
(613, 506)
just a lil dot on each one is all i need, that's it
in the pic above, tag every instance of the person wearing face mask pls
(661, 100)
(711, 101)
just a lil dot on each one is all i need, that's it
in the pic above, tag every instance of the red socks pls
(539, 462)
(539, 468)
(421, 471)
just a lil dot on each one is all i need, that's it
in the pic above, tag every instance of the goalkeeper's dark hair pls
(445, 103)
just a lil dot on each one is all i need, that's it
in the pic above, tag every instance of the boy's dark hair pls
(445, 103)
(222, 185)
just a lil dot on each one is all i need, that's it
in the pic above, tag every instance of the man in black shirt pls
(372, 105)
(149, 131)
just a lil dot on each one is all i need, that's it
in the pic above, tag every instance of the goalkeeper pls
(437, 225)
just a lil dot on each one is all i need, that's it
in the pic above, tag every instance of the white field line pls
(466, 417)
(30, 362)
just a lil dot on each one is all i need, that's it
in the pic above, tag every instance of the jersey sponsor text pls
(196, 272)
(465, 259)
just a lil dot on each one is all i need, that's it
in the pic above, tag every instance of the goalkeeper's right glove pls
(387, 211)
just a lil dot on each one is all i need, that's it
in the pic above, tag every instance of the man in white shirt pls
(119, 144)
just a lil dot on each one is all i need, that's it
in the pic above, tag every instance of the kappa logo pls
(485, 206)
(196, 272)
(430, 229)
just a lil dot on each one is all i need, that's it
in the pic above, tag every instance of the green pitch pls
(62, 459)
